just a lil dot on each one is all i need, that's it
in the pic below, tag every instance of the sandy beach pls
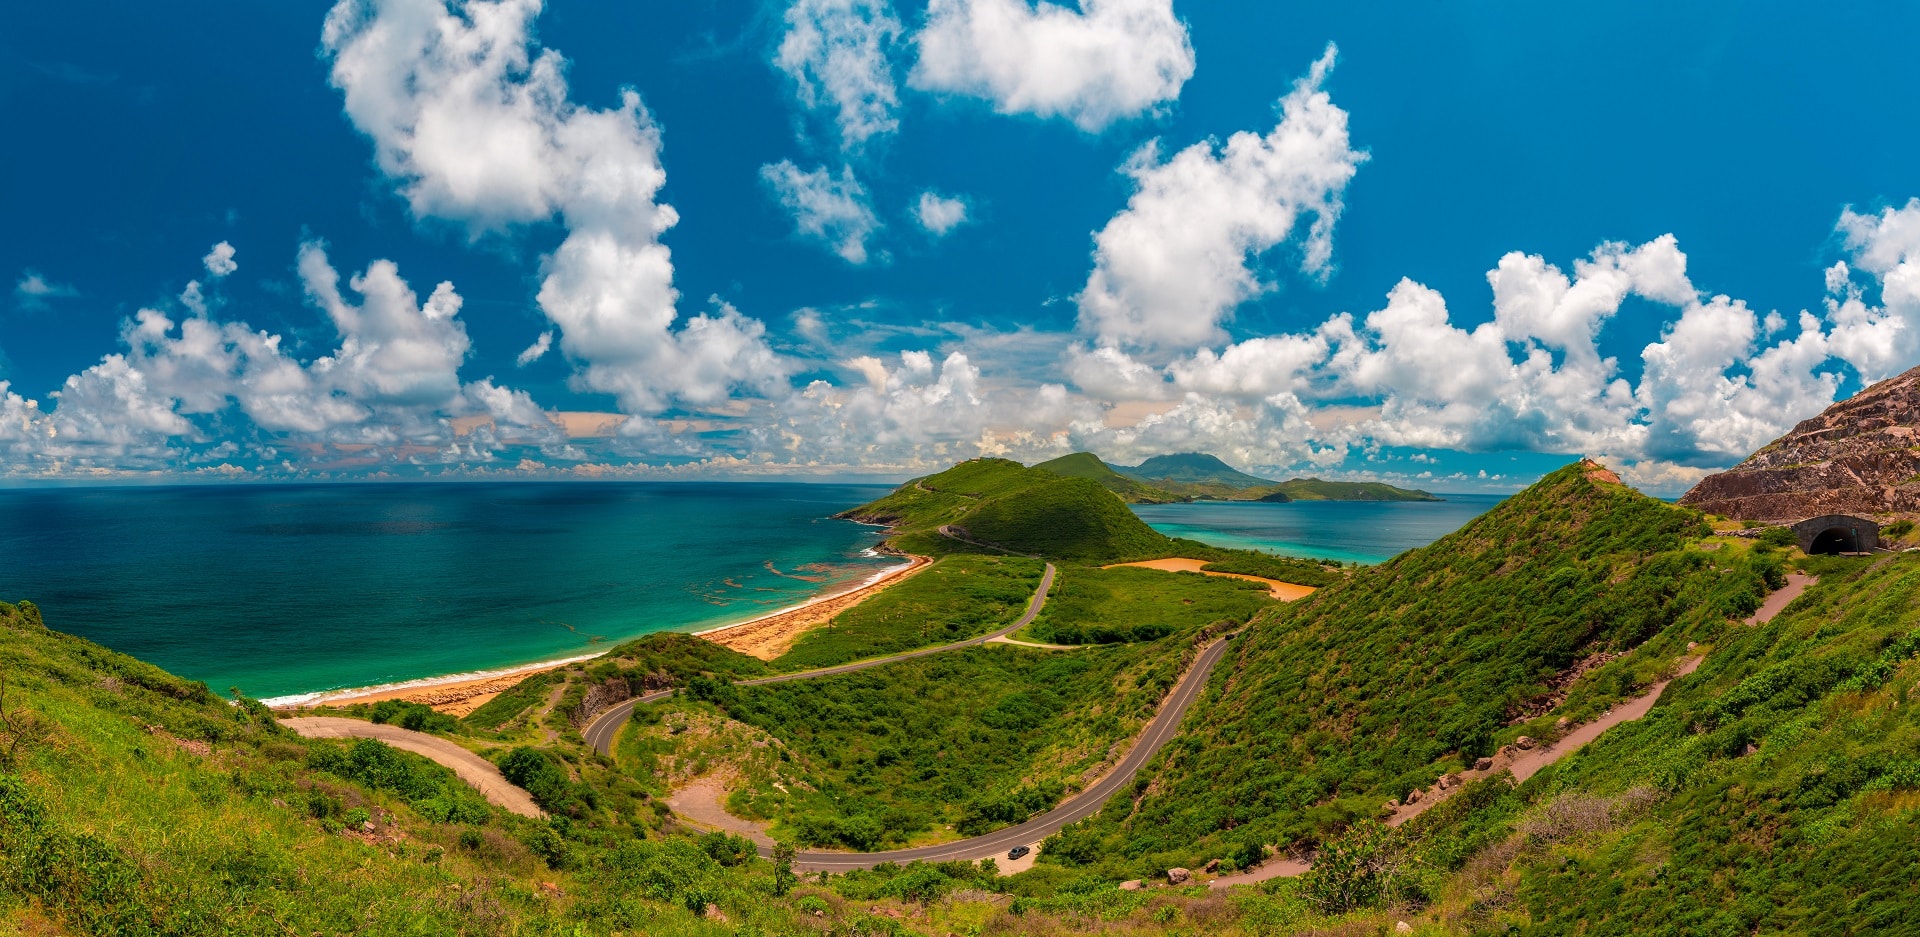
(455, 695)
(766, 637)
(770, 636)
(1284, 591)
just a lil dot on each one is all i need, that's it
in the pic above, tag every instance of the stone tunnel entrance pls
(1837, 533)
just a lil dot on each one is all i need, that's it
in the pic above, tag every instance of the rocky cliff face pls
(1860, 456)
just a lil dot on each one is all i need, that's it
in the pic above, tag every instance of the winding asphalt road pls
(600, 731)
(1083, 805)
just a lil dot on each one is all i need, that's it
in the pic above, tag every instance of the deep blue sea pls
(288, 590)
(1348, 531)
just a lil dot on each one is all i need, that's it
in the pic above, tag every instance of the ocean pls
(288, 590)
(285, 591)
(1348, 531)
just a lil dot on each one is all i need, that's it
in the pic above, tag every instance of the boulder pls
(1178, 876)
(1447, 782)
(1523, 743)
(1483, 764)
(1413, 796)
(1131, 885)
(1562, 722)
(1212, 866)
(1402, 927)
(1390, 806)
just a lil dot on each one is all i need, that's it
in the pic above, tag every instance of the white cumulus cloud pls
(827, 208)
(219, 261)
(939, 214)
(837, 54)
(1175, 262)
(476, 126)
(1107, 61)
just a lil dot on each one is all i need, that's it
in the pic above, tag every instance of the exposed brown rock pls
(1178, 876)
(1861, 456)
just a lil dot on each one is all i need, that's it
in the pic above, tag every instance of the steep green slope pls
(1087, 465)
(1376, 685)
(1314, 489)
(1000, 505)
(1782, 781)
(135, 802)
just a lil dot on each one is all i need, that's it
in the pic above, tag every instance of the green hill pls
(1194, 468)
(1379, 683)
(1001, 505)
(1087, 465)
(1195, 475)
(1314, 489)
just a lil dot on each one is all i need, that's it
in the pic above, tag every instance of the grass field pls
(1110, 606)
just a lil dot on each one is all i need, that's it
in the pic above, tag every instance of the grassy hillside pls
(1378, 684)
(1087, 465)
(1782, 783)
(1193, 475)
(996, 505)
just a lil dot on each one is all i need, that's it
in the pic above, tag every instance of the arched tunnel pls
(1837, 533)
(1835, 540)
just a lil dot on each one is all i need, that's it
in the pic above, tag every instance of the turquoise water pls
(289, 590)
(1348, 531)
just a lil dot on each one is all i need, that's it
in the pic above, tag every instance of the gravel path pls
(473, 769)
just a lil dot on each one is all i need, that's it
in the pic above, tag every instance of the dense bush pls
(413, 716)
(536, 770)
(431, 790)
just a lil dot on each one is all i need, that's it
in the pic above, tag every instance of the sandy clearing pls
(703, 802)
(1284, 591)
(471, 768)
(772, 635)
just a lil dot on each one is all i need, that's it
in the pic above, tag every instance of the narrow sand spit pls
(1284, 591)
(770, 636)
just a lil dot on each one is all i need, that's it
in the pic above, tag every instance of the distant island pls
(1197, 476)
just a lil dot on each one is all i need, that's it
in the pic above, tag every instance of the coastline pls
(471, 689)
(771, 635)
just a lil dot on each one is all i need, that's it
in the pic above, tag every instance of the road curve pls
(471, 768)
(1083, 805)
(602, 728)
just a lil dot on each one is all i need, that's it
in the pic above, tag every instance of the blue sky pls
(831, 237)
